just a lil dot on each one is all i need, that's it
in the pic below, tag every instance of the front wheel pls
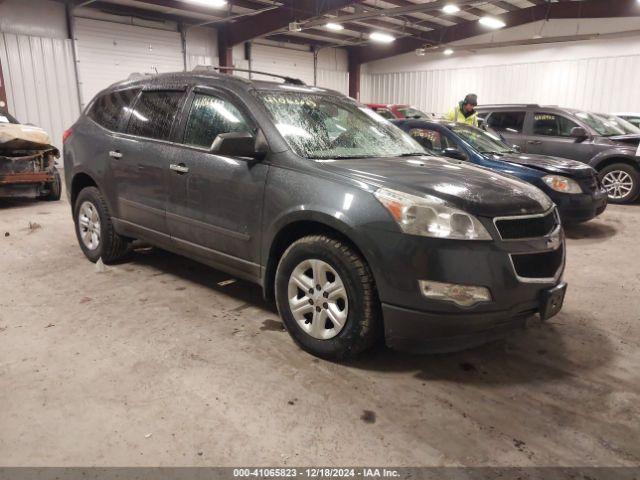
(327, 298)
(621, 181)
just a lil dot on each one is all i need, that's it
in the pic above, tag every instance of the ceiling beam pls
(560, 10)
(254, 26)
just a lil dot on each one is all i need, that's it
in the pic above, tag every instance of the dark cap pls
(472, 99)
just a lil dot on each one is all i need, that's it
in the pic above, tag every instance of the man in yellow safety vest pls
(465, 111)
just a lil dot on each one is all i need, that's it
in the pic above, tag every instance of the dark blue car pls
(572, 185)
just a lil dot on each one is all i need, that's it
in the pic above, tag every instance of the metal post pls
(4, 103)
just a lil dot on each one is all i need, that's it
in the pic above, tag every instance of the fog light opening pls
(462, 295)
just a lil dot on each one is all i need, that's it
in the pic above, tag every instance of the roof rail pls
(139, 75)
(291, 80)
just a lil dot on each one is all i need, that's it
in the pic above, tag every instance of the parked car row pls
(609, 146)
(354, 229)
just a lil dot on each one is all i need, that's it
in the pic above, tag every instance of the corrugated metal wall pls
(40, 81)
(604, 84)
(109, 52)
(334, 79)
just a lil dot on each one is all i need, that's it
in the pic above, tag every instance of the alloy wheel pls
(318, 299)
(89, 225)
(618, 184)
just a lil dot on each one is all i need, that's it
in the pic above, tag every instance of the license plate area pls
(551, 301)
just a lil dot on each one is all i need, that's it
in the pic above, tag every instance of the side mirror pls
(517, 148)
(579, 133)
(240, 144)
(453, 152)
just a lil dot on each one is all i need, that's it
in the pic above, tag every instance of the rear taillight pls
(66, 134)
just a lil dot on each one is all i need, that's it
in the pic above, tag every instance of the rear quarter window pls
(510, 122)
(107, 110)
(154, 113)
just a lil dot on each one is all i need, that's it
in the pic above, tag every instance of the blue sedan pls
(573, 186)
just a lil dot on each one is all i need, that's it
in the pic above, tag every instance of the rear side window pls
(511, 122)
(209, 117)
(549, 124)
(107, 110)
(154, 113)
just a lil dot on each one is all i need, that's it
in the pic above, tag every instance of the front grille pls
(538, 265)
(527, 227)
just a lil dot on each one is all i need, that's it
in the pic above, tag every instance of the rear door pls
(550, 134)
(141, 157)
(215, 201)
(509, 124)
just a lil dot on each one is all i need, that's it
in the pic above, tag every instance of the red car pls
(395, 110)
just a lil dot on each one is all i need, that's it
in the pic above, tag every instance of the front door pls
(215, 201)
(550, 134)
(141, 156)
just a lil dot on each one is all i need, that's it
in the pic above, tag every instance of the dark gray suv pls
(574, 134)
(336, 213)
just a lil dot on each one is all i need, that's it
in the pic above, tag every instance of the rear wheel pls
(326, 296)
(621, 181)
(94, 228)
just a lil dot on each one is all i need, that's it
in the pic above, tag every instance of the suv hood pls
(544, 163)
(474, 189)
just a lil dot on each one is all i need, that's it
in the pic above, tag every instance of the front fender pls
(625, 154)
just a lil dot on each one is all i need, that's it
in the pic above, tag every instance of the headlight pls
(562, 184)
(430, 216)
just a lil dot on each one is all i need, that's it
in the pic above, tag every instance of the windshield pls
(480, 140)
(6, 118)
(600, 125)
(411, 112)
(322, 126)
(621, 123)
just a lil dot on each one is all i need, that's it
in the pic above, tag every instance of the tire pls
(55, 188)
(622, 182)
(347, 297)
(108, 245)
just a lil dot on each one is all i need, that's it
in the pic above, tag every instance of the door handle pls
(534, 142)
(115, 154)
(179, 168)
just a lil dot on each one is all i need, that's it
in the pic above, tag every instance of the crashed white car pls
(27, 161)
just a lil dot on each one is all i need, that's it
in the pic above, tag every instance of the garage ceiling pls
(412, 23)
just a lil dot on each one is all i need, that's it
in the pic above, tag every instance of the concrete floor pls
(152, 362)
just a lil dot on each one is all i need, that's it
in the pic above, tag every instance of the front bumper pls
(415, 323)
(577, 208)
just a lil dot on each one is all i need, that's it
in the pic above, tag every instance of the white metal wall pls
(596, 75)
(40, 81)
(109, 52)
(598, 84)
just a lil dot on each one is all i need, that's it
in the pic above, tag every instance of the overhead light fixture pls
(451, 8)
(334, 26)
(381, 37)
(421, 52)
(210, 3)
(492, 22)
(448, 51)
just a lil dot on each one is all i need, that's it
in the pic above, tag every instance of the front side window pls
(510, 122)
(551, 125)
(327, 127)
(482, 141)
(209, 117)
(599, 124)
(154, 113)
(107, 110)
(431, 140)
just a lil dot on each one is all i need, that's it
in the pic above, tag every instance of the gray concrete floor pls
(153, 363)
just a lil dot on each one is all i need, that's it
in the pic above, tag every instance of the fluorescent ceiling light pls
(492, 22)
(448, 51)
(451, 8)
(381, 37)
(334, 26)
(210, 3)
